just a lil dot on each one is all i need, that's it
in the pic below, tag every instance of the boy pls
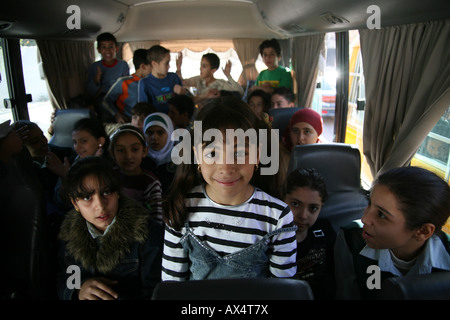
(103, 73)
(274, 76)
(123, 95)
(207, 86)
(160, 85)
(139, 112)
(181, 109)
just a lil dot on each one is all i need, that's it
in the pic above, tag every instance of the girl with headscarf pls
(305, 127)
(158, 128)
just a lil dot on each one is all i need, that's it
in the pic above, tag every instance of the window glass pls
(40, 109)
(5, 114)
(434, 153)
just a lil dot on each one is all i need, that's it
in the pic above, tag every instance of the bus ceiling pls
(137, 20)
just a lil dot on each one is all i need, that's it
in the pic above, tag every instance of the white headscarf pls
(162, 120)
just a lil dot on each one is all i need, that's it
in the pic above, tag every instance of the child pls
(123, 95)
(108, 236)
(400, 232)
(206, 85)
(128, 148)
(218, 223)
(259, 102)
(274, 76)
(160, 85)
(282, 97)
(103, 73)
(304, 127)
(139, 112)
(181, 110)
(90, 138)
(305, 194)
(158, 128)
(10, 144)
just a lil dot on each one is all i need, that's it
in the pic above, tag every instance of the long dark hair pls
(424, 197)
(220, 113)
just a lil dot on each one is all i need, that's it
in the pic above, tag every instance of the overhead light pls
(333, 18)
(5, 25)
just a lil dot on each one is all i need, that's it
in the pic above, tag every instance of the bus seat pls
(24, 244)
(234, 289)
(432, 286)
(340, 165)
(63, 125)
(281, 117)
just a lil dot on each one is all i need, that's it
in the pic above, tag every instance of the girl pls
(259, 102)
(400, 232)
(128, 149)
(305, 194)
(158, 129)
(305, 127)
(108, 236)
(90, 138)
(219, 224)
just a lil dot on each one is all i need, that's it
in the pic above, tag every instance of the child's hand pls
(179, 61)
(227, 69)
(56, 166)
(98, 289)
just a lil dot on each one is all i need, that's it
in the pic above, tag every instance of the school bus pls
(377, 71)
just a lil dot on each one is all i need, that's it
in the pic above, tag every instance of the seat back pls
(340, 166)
(63, 125)
(432, 286)
(234, 289)
(24, 243)
(281, 117)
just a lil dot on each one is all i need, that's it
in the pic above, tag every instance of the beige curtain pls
(65, 65)
(247, 50)
(407, 79)
(305, 63)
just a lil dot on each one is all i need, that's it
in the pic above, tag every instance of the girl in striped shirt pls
(219, 223)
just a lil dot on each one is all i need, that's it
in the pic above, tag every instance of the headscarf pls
(303, 115)
(162, 120)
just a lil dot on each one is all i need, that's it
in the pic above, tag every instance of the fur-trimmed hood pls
(131, 226)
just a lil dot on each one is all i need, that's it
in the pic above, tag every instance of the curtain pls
(65, 65)
(285, 45)
(305, 63)
(248, 51)
(407, 80)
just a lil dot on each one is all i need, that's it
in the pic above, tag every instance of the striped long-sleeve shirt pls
(228, 229)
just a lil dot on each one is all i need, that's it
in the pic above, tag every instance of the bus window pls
(434, 153)
(5, 113)
(324, 100)
(40, 108)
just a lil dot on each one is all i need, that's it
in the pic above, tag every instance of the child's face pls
(226, 183)
(138, 121)
(99, 206)
(85, 144)
(384, 223)
(270, 58)
(160, 69)
(179, 120)
(278, 101)
(128, 153)
(305, 204)
(108, 50)
(205, 69)
(303, 133)
(156, 137)
(257, 105)
(36, 142)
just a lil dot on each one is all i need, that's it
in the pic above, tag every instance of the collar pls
(434, 255)
(94, 231)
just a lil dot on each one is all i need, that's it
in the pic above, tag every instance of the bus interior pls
(376, 70)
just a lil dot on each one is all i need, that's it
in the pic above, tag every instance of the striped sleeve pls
(153, 198)
(175, 262)
(284, 254)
